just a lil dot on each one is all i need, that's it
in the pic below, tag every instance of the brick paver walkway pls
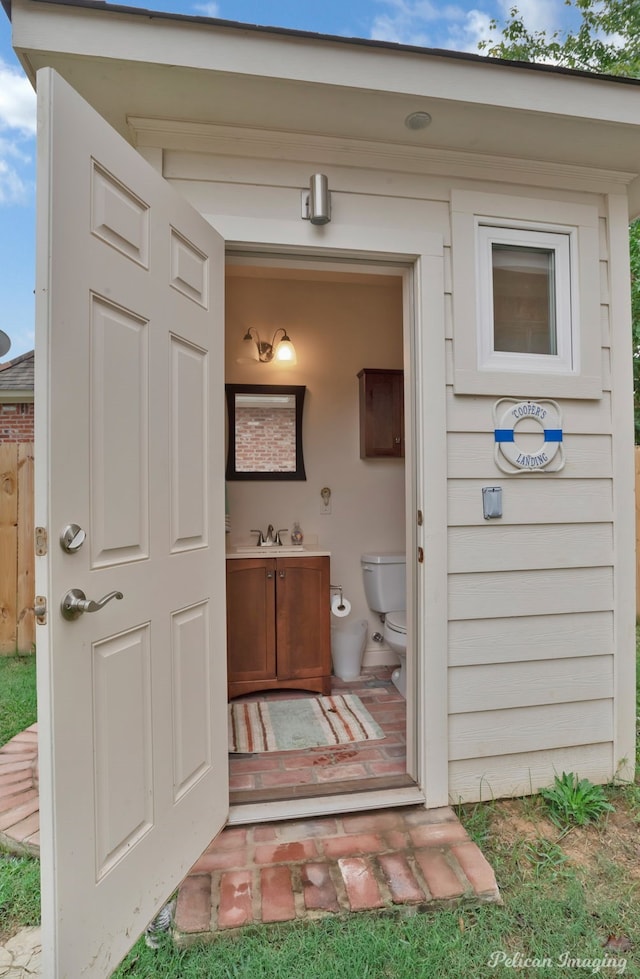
(308, 868)
(19, 800)
(290, 870)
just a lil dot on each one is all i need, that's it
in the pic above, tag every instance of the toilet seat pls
(396, 622)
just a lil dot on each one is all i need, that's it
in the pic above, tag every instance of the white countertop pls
(276, 550)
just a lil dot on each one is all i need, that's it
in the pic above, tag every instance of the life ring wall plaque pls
(509, 456)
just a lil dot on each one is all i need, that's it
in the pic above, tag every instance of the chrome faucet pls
(272, 536)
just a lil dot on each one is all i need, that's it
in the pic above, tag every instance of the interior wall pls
(338, 324)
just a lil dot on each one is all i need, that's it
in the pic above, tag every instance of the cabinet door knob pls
(269, 574)
(281, 574)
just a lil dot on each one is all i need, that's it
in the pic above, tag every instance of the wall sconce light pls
(316, 202)
(279, 351)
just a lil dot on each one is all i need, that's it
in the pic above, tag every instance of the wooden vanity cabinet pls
(381, 413)
(278, 624)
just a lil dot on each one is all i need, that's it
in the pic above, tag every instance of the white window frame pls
(560, 241)
(475, 367)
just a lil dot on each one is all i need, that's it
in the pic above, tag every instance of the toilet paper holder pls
(339, 589)
(340, 606)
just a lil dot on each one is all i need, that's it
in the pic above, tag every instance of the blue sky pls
(458, 25)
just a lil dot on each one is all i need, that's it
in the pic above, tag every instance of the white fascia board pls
(104, 33)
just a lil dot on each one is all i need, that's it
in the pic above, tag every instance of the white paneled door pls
(129, 447)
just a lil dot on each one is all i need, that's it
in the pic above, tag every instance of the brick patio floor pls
(314, 771)
(305, 869)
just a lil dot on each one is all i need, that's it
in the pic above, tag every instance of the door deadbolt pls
(72, 538)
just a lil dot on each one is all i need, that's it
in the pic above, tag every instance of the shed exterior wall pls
(539, 650)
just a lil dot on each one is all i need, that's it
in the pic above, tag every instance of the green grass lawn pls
(544, 919)
(19, 877)
(18, 699)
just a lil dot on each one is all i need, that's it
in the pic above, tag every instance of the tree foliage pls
(634, 249)
(606, 40)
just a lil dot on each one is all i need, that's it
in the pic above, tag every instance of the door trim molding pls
(419, 256)
(265, 812)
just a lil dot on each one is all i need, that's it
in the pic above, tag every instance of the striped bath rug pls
(309, 722)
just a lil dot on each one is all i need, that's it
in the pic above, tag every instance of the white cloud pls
(12, 188)
(537, 15)
(15, 186)
(18, 127)
(473, 29)
(17, 101)
(208, 9)
(427, 24)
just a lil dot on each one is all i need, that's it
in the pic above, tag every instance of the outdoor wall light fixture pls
(316, 202)
(417, 120)
(279, 351)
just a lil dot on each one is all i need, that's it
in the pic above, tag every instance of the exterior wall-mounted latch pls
(40, 609)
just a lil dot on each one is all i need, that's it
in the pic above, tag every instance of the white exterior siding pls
(474, 642)
(521, 774)
(531, 596)
(531, 673)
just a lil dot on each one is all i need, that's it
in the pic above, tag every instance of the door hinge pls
(420, 518)
(41, 541)
(40, 609)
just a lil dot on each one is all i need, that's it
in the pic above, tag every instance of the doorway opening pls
(342, 317)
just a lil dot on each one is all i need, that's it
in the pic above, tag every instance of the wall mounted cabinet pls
(381, 413)
(278, 624)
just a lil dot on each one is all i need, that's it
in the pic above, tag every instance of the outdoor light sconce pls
(316, 202)
(279, 351)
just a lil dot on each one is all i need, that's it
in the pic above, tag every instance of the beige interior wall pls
(339, 324)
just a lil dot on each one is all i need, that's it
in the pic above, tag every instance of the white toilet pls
(385, 585)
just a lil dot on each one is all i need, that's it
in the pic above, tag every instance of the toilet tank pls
(385, 580)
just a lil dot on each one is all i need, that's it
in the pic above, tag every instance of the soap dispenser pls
(296, 534)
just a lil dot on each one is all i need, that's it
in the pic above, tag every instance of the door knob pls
(75, 602)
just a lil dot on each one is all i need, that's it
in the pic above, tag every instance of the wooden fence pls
(17, 556)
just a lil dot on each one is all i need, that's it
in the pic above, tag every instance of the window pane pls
(524, 299)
